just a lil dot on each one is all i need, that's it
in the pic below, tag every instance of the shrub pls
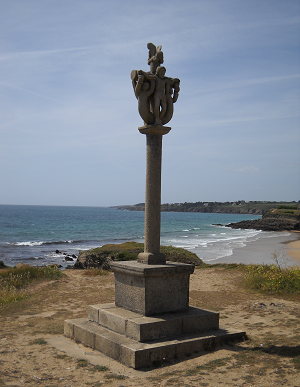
(128, 251)
(2, 266)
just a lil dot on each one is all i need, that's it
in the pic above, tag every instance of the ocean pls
(42, 235)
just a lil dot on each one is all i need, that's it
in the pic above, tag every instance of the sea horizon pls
(41, 235)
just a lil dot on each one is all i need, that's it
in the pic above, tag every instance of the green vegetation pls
(275, 278)
(238, 207)
(115, 376)
(283, 211)
(129, 251)
(287, 207)
(62, 356)
(39, 341)
(2, 266)
(14, 280)
(100, 368)
(93, 272)
(82, 363)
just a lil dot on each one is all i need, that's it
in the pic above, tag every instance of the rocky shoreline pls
(268, 224)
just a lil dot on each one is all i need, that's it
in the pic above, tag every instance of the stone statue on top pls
(155, 92)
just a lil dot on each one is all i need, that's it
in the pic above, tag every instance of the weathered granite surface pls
(152, 289)
(138, 354)
(143, 328)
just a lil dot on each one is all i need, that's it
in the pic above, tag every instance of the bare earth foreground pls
(34, 352)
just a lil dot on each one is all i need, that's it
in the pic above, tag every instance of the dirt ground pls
(34, 352)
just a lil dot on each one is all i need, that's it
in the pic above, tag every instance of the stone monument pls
(151, 320)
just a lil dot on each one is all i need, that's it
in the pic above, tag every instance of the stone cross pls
(156, 95)
(151, 321)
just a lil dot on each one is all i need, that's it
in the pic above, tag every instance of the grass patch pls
(39, 341)
(13, 281)
(225, 266)
(273, 279)
(82, 363)
(212, 365)
(19, 277)
(62, 356)
(100, 368)
(93, 272)
(296, 362)
(115, 376)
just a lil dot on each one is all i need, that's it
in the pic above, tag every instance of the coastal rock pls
(268, 224)
(69, 258)
(90, 260)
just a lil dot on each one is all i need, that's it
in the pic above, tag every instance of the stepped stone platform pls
(151, 320)
(140, 342)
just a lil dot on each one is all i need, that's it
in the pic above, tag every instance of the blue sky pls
(69, 119)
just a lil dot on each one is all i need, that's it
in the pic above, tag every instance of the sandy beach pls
(261, 251)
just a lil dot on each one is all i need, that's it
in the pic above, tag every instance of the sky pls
(69, 119)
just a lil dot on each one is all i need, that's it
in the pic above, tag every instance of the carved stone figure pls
(155, 92)
(156, 57)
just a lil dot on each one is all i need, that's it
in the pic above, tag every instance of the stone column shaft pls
(151, 254)
(153, 193)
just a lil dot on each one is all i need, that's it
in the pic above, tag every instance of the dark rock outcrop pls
(91, 259)
(268, 224)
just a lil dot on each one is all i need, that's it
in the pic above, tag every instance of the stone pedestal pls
(151, 320)
(152, 289)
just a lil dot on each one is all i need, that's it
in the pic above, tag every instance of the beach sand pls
(260, 251)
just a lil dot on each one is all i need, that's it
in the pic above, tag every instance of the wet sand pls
(261, 251)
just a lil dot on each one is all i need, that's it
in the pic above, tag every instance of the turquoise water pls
(33, 234)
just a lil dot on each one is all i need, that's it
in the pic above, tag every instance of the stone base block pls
(152, 259)
(142, 328)
(152, 289)
(142, 355)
